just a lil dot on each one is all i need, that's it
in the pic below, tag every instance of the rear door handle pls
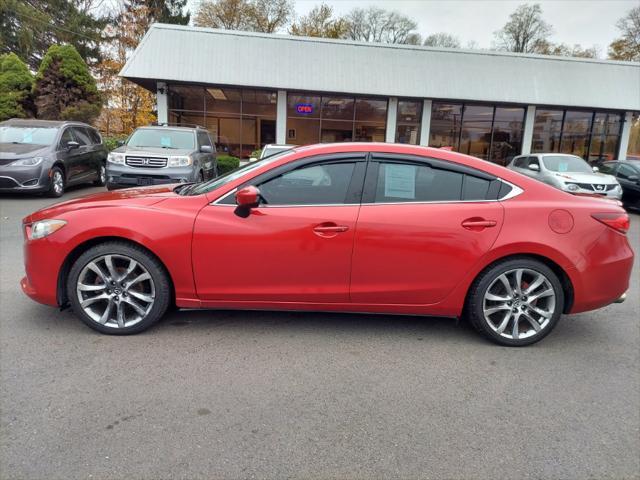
(477, 223)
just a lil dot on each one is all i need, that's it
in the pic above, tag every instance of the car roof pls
(279, 145)
(172, 127)
(31, 122)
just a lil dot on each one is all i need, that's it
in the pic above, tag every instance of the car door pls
(295, 246)
(422, 225)
(70, 157)
(84, 156)
(629, 179)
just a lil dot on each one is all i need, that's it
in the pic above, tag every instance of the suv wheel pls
(101, 181)
(515, 302)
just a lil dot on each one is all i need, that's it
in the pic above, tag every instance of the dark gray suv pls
(161, 154)
(45, 156)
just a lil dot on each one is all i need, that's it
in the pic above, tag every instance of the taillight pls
(617, 221)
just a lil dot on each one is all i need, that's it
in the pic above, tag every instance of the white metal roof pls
(224, 57)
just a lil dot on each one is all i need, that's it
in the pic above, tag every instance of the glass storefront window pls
(475, 138)
(547, 129)
(327, 119)
(576, 132)
(446, 119)
(506, 140)
(409, 119)
(633, 150)
(239, 120)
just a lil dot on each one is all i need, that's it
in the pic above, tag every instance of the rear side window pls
(319, 184)
(94, 136)
(403, 182)
(82, 137)
(475, 188)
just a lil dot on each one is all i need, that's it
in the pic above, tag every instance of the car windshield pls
(200, 188)
(162, 138)
(566, 163)
(28, 135)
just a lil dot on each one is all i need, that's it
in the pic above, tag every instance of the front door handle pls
(478, 223)
(329, 229)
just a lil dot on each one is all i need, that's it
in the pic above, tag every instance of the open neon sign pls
(304, 108)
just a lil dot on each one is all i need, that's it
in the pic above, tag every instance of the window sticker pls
(400, 181)
(165, 141)
(563, 167)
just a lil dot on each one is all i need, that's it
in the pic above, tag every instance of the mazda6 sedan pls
(369, 228)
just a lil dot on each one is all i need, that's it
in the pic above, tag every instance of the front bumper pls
(614, 193)
(24, 179)
(124, 176)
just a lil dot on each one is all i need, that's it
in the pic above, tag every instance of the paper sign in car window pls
(165, 141)
(400, 181)
(563, 167)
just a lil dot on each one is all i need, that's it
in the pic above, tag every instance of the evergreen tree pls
(64, 88)
(16, 83)
(162, 11)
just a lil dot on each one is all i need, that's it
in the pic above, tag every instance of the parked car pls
(356, 227)
(157, 155)
(567, 172)
(270, 150)
(42, 156)
(627, 172)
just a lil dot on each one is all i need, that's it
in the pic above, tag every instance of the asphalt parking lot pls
(290, 395)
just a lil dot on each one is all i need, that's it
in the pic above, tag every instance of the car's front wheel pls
(57, 184)
(515, 302)
(118, 288)
(101, 179)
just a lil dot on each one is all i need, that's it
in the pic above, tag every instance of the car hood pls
(577, 177)
(141, 197)
(15, 151)
(153, 151)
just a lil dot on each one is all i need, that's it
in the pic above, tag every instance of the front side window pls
(203, 139)
(162, 138)
(625, 172)
(566, 163)
(67, 137)
(27, 135)
(82, 137)
(319, 184)
(404, 182)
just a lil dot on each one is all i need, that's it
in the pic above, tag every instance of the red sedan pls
(345, 227)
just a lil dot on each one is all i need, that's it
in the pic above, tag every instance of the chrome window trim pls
(514, 192)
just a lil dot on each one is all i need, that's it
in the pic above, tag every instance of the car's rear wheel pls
(515, 302)
(101, 180)
(118, 288)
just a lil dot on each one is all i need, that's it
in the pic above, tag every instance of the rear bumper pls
(605, 275)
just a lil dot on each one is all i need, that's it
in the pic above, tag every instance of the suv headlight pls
(572, 187)
(44, 228)
(116, 158)
(28, 162)
(179, 161)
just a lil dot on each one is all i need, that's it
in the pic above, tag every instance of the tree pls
(269, 16)
(28, 27)
(226, 14)
(16, 83)
(64, 88)
(127, 105)
(564, 50)
(162, 11)
(442, 39)
(627, 47)
(319, 22)
(525, 32)
(375, 24)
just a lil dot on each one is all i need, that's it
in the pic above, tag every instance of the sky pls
(587, 22)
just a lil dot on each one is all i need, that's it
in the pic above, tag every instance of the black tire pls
(151, 264)
(56, 183)
(101, 181)
(474, 307)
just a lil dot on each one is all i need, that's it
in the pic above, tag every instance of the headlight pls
(44, 228)
(179, 161)
(28, 162)
(572, 187)
(116, 158)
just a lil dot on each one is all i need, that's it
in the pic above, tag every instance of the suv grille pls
(146, 162)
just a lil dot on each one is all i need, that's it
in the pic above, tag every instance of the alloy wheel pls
(115, 291)
(103, 175)
(58, 182)
(519, 303)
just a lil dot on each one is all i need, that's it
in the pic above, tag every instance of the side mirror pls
(534, 167)
(248, 197)
(596, 169)
(206, 149)
(72, 145)
(120, 143)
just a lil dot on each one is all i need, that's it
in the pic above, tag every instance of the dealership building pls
(250, 89)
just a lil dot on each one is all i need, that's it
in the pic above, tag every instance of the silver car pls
(568, 173)
(161, 154)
